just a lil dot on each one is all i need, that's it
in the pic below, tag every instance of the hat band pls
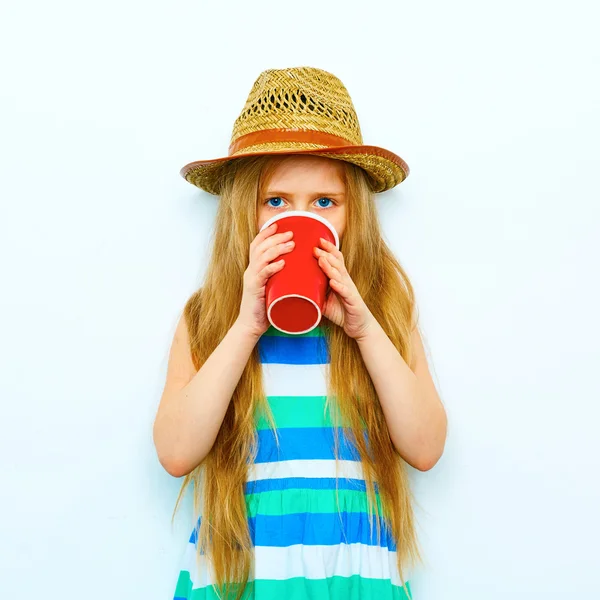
(287, 135)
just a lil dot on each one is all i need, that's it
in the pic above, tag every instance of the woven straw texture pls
(304, 98)
(301, 98)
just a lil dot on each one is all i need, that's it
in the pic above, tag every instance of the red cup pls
(295, 295)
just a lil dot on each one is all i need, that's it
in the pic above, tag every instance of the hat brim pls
(385, 169)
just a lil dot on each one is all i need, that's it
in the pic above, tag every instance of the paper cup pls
(295, 295)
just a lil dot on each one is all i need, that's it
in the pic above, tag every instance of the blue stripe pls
(314, 529)
(293, 350)
(305, 483)
(304, 443)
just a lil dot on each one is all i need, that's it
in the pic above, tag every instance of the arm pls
(413, 410)
(194, 403)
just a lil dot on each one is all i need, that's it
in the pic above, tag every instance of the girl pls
(296, 445)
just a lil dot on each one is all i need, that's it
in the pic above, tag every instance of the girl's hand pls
(264, 248)
(344, 305)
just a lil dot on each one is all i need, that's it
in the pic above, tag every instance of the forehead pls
(306, 173)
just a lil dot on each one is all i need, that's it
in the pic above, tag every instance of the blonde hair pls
(219, 481)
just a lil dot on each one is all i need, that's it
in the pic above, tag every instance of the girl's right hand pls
(265, 247)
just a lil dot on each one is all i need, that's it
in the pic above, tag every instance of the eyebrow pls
(281, 193)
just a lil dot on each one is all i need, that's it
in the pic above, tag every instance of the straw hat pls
(300, 110)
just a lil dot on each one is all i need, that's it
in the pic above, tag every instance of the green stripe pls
(283, 502)
(298, 588)
(183, 589)
(318, 331)
(299, 411)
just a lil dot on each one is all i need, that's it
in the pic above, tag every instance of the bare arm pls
(413, 410)
(194, 403)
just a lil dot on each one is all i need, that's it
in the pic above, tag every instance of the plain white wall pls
(495, 108)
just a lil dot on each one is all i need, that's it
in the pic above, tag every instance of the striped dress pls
(308, 543)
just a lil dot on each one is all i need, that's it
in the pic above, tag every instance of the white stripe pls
(295, 380)
(318, 562)
(351, 469)
(308, 561)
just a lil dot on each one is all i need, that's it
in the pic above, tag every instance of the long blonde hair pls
(219, 480)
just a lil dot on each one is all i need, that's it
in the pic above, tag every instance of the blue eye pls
(276, 198)
(326, 199)
(277, 201)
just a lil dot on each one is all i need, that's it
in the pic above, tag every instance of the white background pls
(495, 108)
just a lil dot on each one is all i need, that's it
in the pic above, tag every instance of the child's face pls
(311, 183)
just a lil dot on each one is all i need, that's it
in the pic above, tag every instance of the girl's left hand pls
(344, 305)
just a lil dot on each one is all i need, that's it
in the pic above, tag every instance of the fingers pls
(332, 249)
(272, 253)
(269, 270)
(267, 235)
(263, 249)
(331, 271)
(334, 257)
(264, 234)
(272, 240)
